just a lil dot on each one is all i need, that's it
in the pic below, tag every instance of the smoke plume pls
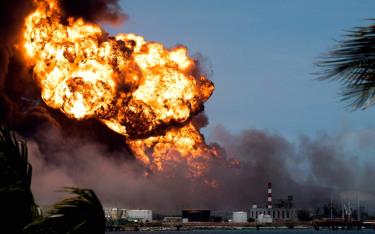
(21, 107)
(312, 170)
(108, 11)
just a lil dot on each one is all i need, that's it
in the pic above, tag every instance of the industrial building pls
(139, 215)
(280, 210)
(193, 215)
(115, 213)
(239, 217)
(277, 214)
(264, 219)
(172, 219)
(129, 215)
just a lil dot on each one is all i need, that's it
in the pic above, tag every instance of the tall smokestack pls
(269, 196)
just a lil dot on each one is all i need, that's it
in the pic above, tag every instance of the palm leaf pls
(352, 63)
(80, 214)
(17, 203)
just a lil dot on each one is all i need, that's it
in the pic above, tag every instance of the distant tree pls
(304, 215)
(250, 220)
(352, 63)
(317, 213)
(327, 210)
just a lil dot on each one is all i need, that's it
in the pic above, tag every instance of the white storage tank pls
(139, 215)
(264, 219)
(239, 217)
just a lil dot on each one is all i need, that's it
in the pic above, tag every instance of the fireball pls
(139, 89)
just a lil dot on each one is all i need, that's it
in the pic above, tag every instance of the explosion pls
(139, 89)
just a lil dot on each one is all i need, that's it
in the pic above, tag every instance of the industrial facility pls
(195, 215)
(239, 217)
(280, 210)
(271, 213)
(128, 215)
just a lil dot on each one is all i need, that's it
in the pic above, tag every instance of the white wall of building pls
(139, 215)
(275, 213)
(239, 217)
(263, 219)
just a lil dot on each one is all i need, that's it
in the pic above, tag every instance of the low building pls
(264, 219)
(277, 214)
(139, 215)
(130, 215)
(193, 215)
(115, 213)
(172, 219)
(239, 217)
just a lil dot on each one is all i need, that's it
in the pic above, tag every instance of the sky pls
(262, 55)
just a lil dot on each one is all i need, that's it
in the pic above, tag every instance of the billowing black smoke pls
(12, 14)
(311, 169)
(21, 108)
(108, 11)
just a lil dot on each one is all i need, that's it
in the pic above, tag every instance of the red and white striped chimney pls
(269, 197)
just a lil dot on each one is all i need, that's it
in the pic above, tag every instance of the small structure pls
(278, 214)
(117, 213)
(172, 219)
(139, 215)
(264, 219)
(239, 217)
(193, 215)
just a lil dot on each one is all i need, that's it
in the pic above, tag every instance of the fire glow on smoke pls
(137, 88)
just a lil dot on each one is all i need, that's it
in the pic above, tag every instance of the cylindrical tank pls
(264, 218)
(239, 217)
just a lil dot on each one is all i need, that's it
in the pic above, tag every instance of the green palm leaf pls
(352, 63)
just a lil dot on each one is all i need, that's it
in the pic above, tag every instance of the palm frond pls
(352, 63)
(17, 203)
(80, 214)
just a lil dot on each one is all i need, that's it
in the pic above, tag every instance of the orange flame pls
(137, 88)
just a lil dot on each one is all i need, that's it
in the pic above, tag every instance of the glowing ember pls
(139, 89)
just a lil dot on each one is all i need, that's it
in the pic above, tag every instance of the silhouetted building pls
(196, 215)
(284, 203)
